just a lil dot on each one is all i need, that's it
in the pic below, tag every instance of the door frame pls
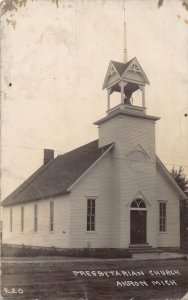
(139, 209)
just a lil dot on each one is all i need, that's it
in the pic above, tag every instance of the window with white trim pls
(22, 218)
(11, 219)
(162, 217)
(90, 214)
(51, 216)
(35, 217)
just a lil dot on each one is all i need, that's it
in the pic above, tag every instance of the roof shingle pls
(121, 67)
(57, 176)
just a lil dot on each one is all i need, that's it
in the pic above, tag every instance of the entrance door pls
(138, 227)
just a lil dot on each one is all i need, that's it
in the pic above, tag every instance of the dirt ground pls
(134, 280)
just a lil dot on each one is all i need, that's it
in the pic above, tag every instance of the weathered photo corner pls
(94, 166)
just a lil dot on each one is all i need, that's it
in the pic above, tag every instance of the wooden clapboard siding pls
(97, 184)
(167, 193)
(43, 237)
(131, 176)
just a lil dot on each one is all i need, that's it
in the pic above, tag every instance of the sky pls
(53, 64)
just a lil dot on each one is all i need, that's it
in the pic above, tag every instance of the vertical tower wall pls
(134, 170)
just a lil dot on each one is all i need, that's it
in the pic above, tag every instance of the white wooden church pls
(113, 192)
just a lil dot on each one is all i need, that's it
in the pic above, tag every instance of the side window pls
(11, 219)
(51, 216)
(162, 217)
(35, 217)
(90, 214)
(22, 218)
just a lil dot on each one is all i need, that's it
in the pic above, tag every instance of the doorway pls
(138, 226)
(138, 220)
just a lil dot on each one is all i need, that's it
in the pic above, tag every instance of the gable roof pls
(134, 63)
(119, 67)
(122, 69)
(170, 178)
(55, 177)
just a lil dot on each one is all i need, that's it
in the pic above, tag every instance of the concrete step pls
(143, 248)
(140, 246)
(157, 255)
(152, 250)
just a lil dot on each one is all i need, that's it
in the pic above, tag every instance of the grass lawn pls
(55, 280)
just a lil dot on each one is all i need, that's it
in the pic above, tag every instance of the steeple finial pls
(125, 59)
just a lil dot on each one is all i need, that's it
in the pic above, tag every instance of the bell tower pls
(126, 79)
(133, 158)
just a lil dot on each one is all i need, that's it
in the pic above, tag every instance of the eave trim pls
(167, 173)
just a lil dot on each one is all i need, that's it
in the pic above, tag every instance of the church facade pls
(113, 192)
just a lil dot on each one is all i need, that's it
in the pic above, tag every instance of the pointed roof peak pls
(121, 67)
(120, 71)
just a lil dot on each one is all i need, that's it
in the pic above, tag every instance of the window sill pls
(91, 232)
(163, 232)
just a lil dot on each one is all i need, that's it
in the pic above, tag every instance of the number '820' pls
(13, 290)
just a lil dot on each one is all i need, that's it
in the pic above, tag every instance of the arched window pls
(138, 203)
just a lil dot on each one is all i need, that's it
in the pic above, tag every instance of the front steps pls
(143, 248)
(146, 252)
(157, 255)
